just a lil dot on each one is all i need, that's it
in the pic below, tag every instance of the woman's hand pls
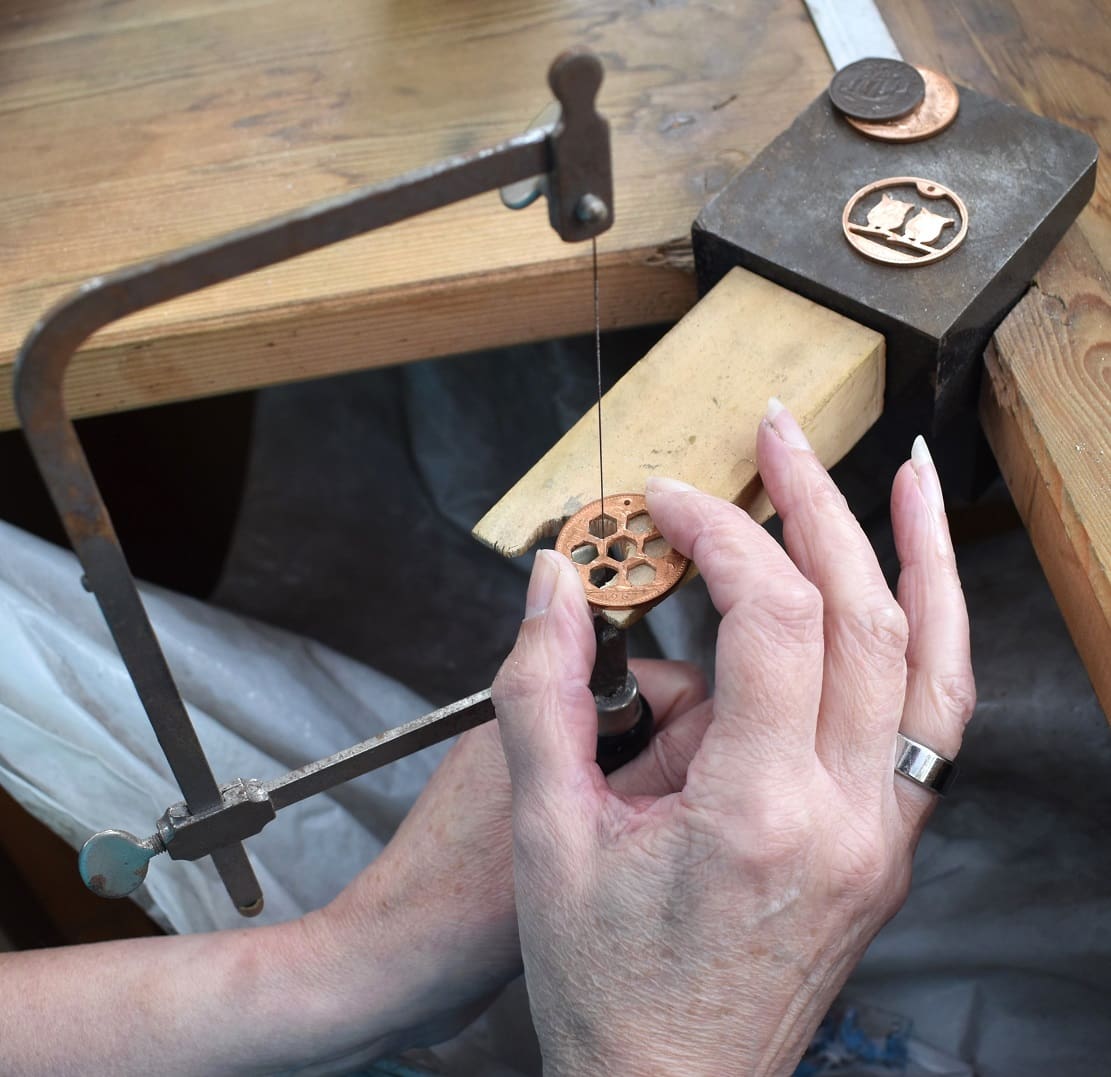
(434, 919)
(708, 930)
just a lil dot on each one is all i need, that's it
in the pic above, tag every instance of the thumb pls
(546, 712)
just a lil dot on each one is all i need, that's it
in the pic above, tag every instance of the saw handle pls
(625, 720)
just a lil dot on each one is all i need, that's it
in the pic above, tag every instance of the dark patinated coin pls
(877, 90)
(937, 111)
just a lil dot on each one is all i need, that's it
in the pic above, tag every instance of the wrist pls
(406, 957)
(417, 945)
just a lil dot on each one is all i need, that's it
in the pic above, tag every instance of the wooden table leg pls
(1046, 410)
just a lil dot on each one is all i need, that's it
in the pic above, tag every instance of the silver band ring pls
(923, 765)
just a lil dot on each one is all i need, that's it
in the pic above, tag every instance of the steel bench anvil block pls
(1022, 178)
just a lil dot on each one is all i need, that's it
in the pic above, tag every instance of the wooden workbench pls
(135, 126)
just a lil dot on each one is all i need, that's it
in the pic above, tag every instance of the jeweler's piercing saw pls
(113, 863)
(572, 157)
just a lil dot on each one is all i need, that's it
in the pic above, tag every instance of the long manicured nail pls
(926, 473)
(542, 585)
(658, 485)
(783, 423)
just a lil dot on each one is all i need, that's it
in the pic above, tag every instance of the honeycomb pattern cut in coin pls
(624, 561)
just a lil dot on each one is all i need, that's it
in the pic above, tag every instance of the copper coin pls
(889, 236)
(624, 561)
(877, 89)
(937, 111)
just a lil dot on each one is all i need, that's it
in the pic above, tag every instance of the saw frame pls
(571, 160)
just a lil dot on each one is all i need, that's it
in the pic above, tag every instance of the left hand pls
(707, 932)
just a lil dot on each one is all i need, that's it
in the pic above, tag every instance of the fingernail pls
(926, 473)
(542, 585)
(783, 423)
(658, 485)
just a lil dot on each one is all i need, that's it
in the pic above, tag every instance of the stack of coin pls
(893, 101)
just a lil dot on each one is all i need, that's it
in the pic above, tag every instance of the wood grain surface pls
(1046, 409)
(1046, 401)
(135, 126)
(1048, 56)
(690, 408)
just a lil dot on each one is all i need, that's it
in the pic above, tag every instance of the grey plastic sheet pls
(77, 751)
(1000, 958)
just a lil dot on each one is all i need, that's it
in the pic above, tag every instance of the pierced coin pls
(877, 89)
(623, 560)
(903, 230)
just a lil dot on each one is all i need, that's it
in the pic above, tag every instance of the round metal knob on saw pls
(114, 863)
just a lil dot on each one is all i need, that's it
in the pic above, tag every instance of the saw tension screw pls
(590, 209)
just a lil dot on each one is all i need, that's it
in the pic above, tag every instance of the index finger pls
(769, 650)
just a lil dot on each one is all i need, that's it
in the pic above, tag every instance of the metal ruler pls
(851, 30)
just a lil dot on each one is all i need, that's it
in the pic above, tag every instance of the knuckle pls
(513, 680)
(826, 499)
(718, 542)
(868, 873)
(880, 628)
(898, 885)
(862, 870)
(503, 686)
(955, 694)
(782, 848)
(791, 608)
(777, 838)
